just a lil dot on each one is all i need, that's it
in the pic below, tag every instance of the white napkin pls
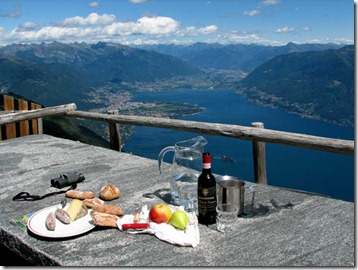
(166, 232)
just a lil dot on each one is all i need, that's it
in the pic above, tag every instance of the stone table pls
(284, 228)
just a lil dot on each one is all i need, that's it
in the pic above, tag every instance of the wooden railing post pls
(24, 125)
(259, 155)
(11, 127)
(37, 125)
(114, 133)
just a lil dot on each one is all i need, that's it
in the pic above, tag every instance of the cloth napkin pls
(166, 232)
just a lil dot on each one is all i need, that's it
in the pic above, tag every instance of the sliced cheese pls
(74, 209)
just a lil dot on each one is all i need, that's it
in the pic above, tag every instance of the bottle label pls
(207, 199)
(206, 165)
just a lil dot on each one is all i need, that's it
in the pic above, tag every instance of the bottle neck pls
(206, 166)
(206, 162)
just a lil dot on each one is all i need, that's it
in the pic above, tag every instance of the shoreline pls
(260, 102)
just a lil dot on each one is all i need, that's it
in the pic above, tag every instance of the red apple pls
(160, 213)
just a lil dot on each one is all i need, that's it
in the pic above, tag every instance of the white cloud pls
(192, 31)
(157, 25)
(50, 34)
(14, 14)
(207, 30)
(269, 2)
(137, 1)
(144, 25)
(343, 40)
(236, 37)
(27, 26)
(91, 19)
(251, 12)
(263, 4)
(285, 29)
(93, 4)
(306, 28)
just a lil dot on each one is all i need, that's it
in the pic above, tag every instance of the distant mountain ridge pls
(107, 61)
(320, 84)
(243, 57)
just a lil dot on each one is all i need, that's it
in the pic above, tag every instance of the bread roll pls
(110, 192)
(81, 195)
(108, 209)
(91, 202)
(103, 219)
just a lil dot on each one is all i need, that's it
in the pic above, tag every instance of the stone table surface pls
(283, 228)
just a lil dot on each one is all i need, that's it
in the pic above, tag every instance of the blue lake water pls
(291, 167)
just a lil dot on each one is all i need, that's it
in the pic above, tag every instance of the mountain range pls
(311, 79)
(105, 61)
(243, 57)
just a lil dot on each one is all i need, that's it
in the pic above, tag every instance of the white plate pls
(36, 224)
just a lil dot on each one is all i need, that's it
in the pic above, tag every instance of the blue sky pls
(269, 22)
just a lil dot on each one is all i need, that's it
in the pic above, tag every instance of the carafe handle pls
(162, 154)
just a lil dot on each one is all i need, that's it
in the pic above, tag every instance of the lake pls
(290, 167)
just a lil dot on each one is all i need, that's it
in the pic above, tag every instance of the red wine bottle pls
(206, 193)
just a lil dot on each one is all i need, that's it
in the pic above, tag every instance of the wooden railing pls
(256, 133)
(10, 104)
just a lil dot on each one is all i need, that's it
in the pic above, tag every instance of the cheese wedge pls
(74, 209)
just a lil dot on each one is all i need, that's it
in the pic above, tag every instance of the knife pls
(135, 226)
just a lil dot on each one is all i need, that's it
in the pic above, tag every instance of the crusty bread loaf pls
(108, 209)
(109, 192)
(81, 195)
(91, 202)
(103, 219)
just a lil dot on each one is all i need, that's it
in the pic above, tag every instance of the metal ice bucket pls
(230, 190)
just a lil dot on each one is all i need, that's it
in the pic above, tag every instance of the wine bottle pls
(206, 193)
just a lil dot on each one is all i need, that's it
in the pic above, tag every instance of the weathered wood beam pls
(27, 115)
(259, 156)
(234, 131)
(114, 133)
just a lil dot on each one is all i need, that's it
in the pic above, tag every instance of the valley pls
(312, 80)
(120, 100)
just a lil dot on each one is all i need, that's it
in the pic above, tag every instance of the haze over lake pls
(291, 167)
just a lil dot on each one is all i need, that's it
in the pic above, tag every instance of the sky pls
(138, 22)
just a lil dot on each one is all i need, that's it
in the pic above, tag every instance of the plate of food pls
(57, 222)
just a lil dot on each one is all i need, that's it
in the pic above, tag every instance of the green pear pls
(179, 219)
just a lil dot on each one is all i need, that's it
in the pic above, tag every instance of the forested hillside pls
(320, 84)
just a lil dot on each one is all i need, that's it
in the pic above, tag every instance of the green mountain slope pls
(49, 84)
(63, 127)
(130, 65)
(319, 84)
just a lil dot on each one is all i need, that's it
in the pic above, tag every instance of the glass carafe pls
(186, 165)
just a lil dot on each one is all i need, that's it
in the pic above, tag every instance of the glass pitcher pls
(186, 165)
